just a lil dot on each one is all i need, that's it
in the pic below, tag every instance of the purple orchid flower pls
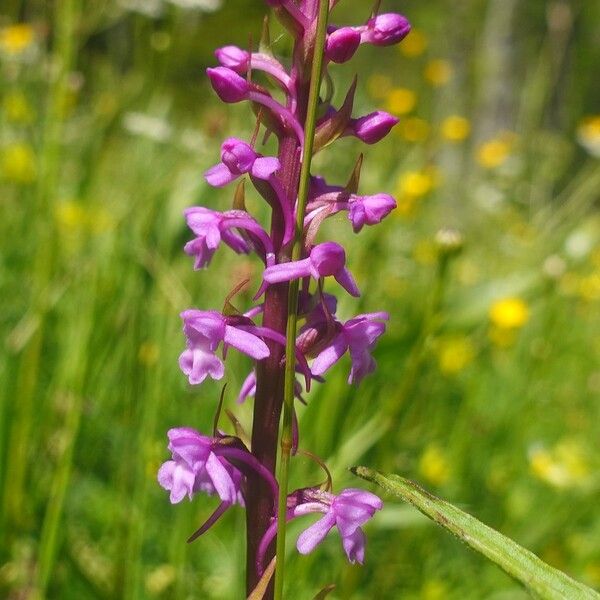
(242, 61)
(362, 210)
(358, 336)
(324, 260)
(212, 228)
(232, 88)
(204, 331)
(369, 210)
(342, 44)
(347, 511)
(203, 464)
(196, 467)
(385, 30)
(237, 159)
(372, 128)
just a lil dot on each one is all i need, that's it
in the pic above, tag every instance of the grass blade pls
(538, 577)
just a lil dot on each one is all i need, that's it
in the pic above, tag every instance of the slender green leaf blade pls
(538, 577)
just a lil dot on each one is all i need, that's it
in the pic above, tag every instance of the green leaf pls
(538, 577)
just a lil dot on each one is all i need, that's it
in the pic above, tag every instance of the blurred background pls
(488, 380)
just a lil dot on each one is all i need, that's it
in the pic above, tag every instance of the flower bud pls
(234, 58)
(237, 155)
(228, 85)
(374, 127)
(342, 44)
(386, 29)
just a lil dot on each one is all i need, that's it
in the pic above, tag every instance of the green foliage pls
(538, 577)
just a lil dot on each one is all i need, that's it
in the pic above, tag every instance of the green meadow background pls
(488, 382)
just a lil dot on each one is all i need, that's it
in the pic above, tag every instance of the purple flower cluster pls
(224, 465)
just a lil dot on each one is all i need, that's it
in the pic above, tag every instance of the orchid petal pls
(315, 534)
(219, 175)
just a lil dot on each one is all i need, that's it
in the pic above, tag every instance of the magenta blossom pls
(204, 331)
(347, 511)
(195, 467)
(232, 88)
(238, 158)
(358, 336)
(324, 260)
(362, 210)
(369, 210)
(385, 30)
(211, 228)
(341, 44)
(372, 128)
(242, 61)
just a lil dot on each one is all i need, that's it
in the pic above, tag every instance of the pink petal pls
(265, 166)
(287, 271)
(221, 479)
(219, 175)
(246, 342)
(330, 355)
(354, 546)
(345, 279)
(315, 534)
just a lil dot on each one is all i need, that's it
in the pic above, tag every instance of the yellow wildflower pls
(379, 86)
(17, 109)
(401, 101)
(15, 39)
(455, 128)
(509, 313)
(562, 466)
(414, 44)
(438, 72)
(493, 153)
(414, 129)
(589, 287)
(415, 183)
(70, 215)
(588, 135)
(434, 465)
(455, 353)
(18, 163)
